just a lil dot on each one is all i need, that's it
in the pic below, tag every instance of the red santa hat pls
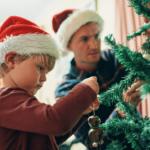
(66, 23)
(26, 38)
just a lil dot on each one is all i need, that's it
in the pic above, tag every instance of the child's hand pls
(94, 106)
(92, 82)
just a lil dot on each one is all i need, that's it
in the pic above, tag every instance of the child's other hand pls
(94, 106)
(92, 82)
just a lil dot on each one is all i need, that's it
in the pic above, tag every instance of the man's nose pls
(93, 43)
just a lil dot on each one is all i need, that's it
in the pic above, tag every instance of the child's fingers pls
(92, 82)
(95, 103)
(94, 108)
(95, 78)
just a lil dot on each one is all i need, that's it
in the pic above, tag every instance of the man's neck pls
(87, 67)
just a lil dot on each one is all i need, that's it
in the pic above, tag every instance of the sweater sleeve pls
(21, 111)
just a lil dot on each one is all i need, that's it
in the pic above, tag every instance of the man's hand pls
(92, 82)
(94, 106)
(133, 94)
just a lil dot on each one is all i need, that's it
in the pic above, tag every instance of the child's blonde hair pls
(45, 58)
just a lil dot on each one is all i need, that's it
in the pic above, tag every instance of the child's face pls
(29, 74)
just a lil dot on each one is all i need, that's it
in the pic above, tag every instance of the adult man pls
(79, 31)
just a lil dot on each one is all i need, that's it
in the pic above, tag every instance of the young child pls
(27, 53)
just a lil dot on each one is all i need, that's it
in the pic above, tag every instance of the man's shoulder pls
(68, 82)
(109, 59)
(67, 78)
(72, 77)
(107, 54)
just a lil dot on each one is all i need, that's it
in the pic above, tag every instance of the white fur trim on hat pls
(27, 44)
(71, 24)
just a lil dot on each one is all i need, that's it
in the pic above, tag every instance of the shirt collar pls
(80, 74)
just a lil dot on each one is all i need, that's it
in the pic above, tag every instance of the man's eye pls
(97, 36)
(84, 39)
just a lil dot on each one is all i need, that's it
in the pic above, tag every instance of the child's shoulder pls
(13, 97)
(11, 89)
(13, 92)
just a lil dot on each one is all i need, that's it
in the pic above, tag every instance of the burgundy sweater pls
(27, 124)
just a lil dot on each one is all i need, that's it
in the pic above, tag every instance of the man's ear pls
(69, 47)
(10, 59)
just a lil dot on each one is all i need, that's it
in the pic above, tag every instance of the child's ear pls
(10, 59)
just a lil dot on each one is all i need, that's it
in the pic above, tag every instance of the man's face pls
(85, 44)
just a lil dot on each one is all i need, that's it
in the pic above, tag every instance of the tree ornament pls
(94, 121)
(96, 135)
